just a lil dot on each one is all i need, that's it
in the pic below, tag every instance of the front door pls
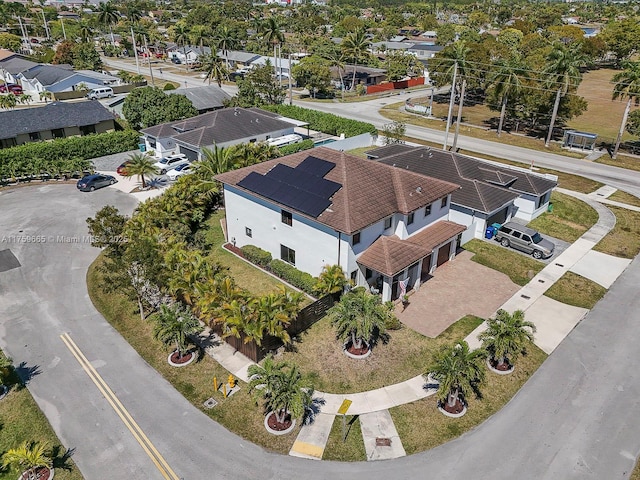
(443, 253)
(426, 266)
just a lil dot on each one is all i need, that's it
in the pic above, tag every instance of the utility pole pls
(290, 86)
(453, 96)
(460, 104)
(621, 132)
(46, 25)
(153, 83)
(64, 34)
(23, 30)
(135, 49)
(553, 117)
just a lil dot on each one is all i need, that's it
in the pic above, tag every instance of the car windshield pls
(536, 238)
(163, 160)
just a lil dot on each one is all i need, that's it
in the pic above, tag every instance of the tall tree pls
(181, 37)
(140, 165)
(507, 79)
(173, 326)
(627, 85)
(355, 47)
(563, 73)
(108, 16)
(213, 67)
(148, 106)
(224, 40)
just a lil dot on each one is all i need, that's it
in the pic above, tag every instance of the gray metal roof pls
(51, 116)
(48, 74)
(16, 64)
(208, 97)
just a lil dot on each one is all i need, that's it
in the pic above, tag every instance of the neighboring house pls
(11, 64)
(54, 120)
(187, 54)
(430, 36)
(385, 47)
(490, 193)
(364, 75)
(381, 224)
(280, 64)
(62, 78)
(424, 51)
(204, 99)
(222, 128)
(238, 59)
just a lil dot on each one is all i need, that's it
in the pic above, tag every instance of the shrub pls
(296, 147)
(168, 86)
(295, 277)
(323, 122)
(256, 255)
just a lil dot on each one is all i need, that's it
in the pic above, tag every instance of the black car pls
(97, 180)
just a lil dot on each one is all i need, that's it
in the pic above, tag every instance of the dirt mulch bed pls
(457, 408)
(357, 351)
(42, 473)
(277, 426)
(505, 367)
(175, 357)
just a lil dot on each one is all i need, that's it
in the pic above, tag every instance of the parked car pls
(182, 169)
(11, 87)
(167, 163)
(176, 60)
(103, 92)
(523, 238)
(96, 180)
(122, 168)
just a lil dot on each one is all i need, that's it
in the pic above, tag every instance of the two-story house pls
(379, 223)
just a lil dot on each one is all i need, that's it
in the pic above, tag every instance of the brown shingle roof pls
(370, 190)
(390, 255)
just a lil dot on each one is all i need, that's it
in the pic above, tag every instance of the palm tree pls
(173, 326)
(212, 65)
(8, 101)
(507, 80)
(360, 317)
(331, 280)
(271, 32)
(85, 32)
(225, 40)
(28, 455)
(181, 37)
(458, 370)
(627, 85)
(563, 72)
(140, 165)
(506, 336)
(281, 387)
(107, 16)
(46, 95)
(355, 46)
(274, 312)
(199, 35)
(336, 59)
(5, 365)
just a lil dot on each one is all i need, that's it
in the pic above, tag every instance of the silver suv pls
(523, 238)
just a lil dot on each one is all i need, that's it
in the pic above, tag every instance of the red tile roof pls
(390, 255)
(370, 190)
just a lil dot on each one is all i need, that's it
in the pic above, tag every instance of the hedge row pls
(295, 277)
(256, 255)
(324, 122)
(18, 161)
(296, 147)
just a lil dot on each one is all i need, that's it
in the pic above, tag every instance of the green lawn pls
(349, 449)
(519, 268)
(569, 219)
(624, 197)
(21, 420)
(576, 290)
(421, 426)
(319, 356)
(624, 240)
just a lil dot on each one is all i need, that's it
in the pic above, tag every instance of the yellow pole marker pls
(224, 390)
(215, 384)
(130, 423)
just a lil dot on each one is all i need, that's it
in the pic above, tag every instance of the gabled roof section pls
(370, 191)
(203, 98)
(52, 115)
(15, 63)
(390, 255)
(485, 187)
(48, 74)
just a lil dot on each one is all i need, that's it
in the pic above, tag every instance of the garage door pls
(443, 253)
(498, 217)
(191, 154)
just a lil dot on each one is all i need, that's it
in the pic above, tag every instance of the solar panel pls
(300, 179)
(316, 166)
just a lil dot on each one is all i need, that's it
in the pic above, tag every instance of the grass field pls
(575, 290)
(568, 221)
(624, 240)
(624, 197)
(21, 420)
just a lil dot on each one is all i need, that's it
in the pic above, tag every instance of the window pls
(444, 202)
(427, 210)
(368, 273)
(87, 129)
(526, 238)
(287, 218)
(354, 276)
(387, 223)
(410, 218)
(248, 232)
(58, 133)
(356, 238)
(33, 136)
(287, 255)
(152, 142)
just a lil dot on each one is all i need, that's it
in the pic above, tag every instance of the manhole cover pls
(383, 442)
(8, 260)
(210, 403)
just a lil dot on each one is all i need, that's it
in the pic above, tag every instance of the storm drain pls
(210, 403)
(8, 260)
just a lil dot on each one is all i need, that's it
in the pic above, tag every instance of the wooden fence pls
(383, 87)
(306, 317)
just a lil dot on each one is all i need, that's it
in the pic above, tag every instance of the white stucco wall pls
(162, 148)
(526, 206)
(315, 244)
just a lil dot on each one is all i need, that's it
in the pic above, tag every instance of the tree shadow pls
(61, 456)
(24, 373)
(313, 410)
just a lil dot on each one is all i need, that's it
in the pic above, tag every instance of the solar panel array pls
(301, 188)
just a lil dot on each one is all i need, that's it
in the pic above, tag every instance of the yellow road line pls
(122, 412)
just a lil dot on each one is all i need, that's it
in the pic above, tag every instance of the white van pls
(285, 140)
(104, 92)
